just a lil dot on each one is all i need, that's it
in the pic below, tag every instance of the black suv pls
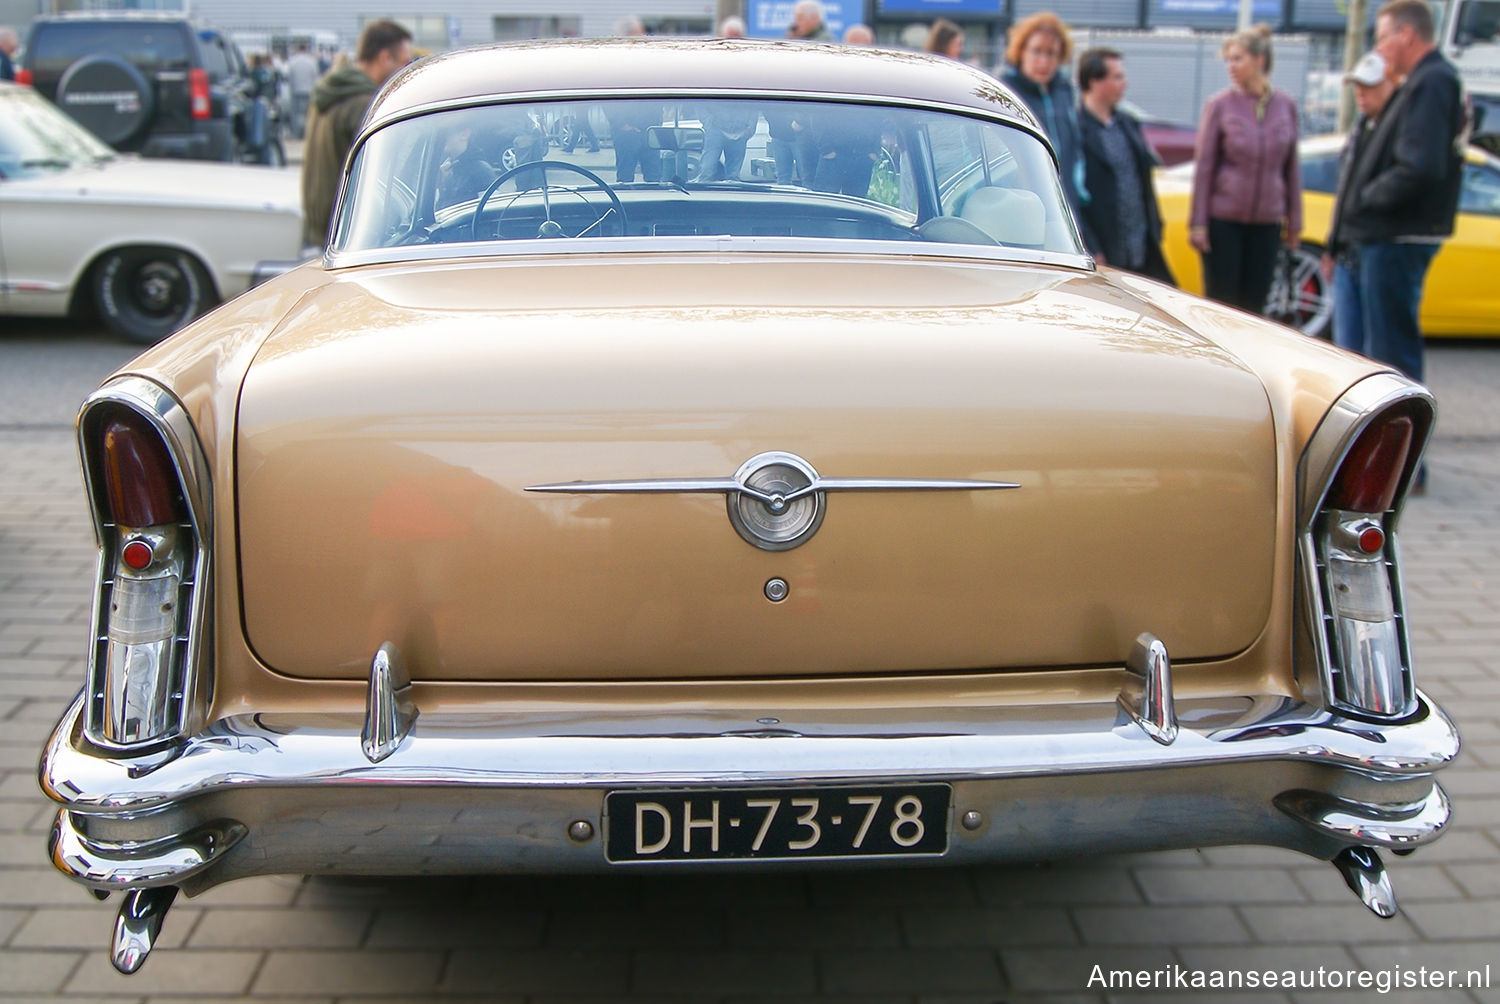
(158, 84)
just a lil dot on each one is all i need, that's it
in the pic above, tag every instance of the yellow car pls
(1458, 299)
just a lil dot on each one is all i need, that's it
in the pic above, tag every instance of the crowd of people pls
(1397, 191)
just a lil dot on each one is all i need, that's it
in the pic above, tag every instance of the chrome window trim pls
(693, 93)
(1354, 410)
(522, 250)
(170, 420)
(341, 259)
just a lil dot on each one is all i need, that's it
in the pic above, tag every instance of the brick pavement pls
(951, 936)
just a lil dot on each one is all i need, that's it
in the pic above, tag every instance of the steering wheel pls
(550, 227)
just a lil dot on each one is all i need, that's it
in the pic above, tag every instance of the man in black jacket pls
(1403, 188)
(1121, 211)
(1372, 92)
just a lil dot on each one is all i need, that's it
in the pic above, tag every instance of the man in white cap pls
(1373, 88)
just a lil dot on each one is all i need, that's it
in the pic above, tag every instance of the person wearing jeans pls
(1402, 192)
(1340, 265)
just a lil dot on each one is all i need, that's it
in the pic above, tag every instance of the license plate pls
(776, 823)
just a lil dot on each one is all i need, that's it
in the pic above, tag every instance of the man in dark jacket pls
(1340, 264)
(1117, 163)
(339, 103)
(1404, 187)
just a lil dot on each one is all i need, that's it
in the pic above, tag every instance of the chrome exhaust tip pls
(1365, 873)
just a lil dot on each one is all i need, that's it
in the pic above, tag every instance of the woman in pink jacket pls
(1247, 185)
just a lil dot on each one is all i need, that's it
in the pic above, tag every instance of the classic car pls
(1457, 299)
(550, 522)
(147, 245)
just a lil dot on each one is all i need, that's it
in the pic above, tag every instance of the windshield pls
(723, 167)
(37, 139)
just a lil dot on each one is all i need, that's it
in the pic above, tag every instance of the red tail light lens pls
(1369, 476)
(198, 94)
(140, 483)
(23, 77)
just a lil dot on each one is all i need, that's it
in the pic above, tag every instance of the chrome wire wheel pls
(1300, 297)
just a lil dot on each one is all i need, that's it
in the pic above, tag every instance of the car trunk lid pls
(390, 432)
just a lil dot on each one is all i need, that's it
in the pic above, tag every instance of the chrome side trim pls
(730, 486)
(1147, 693)
(170, 420)
(1397, 826)
(389, 709)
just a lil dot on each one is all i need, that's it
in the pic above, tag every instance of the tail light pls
(23, 77)
(199, 98)
(150, 519)
(1351, 539)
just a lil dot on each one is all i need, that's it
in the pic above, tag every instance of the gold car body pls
(1458, 298)
(1062, 569)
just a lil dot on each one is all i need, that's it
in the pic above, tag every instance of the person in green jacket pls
(339, 102)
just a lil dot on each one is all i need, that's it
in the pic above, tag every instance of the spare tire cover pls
(108, 96)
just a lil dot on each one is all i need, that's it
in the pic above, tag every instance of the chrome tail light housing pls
(148, 490)
(1352, 483)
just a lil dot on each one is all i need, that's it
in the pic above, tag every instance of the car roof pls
(680, 66)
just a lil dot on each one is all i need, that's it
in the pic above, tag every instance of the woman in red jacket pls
(1247, 186)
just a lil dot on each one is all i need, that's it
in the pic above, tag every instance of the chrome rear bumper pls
(489, 793)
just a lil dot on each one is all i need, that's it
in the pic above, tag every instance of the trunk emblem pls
(776, 500)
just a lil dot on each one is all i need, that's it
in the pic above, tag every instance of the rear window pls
(681, 167)
(150, 47)
(217, 59)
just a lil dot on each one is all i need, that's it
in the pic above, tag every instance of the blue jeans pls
(717, 143)
(1390, 293)
(796, 160)
(1348, 314)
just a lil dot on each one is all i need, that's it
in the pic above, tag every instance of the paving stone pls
(195, 975)
(1078, 969)
(1349, 921)
(730, 973)
(1231, 885)
(1476, 880)
(1456, 959)
(462, 927)
(1159, 925)
(87, 926)
(827, 928)
(1268, 958)
(544, 971)
(1467, 921)
(1049, 885)
(942, 886)
(270, 890)
(336, 973)
(287, 928)
(926, 970)
(30, 972)
(996, 926)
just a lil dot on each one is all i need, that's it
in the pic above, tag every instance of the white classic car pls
(147, 244)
